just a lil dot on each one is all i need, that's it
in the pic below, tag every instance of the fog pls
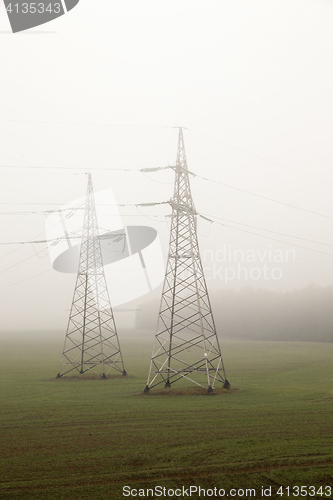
(296, 315)
(101, 89)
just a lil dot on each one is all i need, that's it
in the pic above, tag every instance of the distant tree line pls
(301, 315)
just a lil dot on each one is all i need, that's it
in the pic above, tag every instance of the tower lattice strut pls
(186, 344)
(91, 341)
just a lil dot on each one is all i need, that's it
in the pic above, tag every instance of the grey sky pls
(254, 75)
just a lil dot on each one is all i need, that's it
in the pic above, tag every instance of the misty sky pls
(102, 87)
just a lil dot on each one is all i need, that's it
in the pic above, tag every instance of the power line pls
(42, 232)
(35, 276)
(109, 169)
(42, 173)
(30, 203)
(144, 171)
(257, 234)
(168, 127)
(53, 240)
(270, 231)
(27, 279)
(140, 214)
(251, 193)
(99, 124)
(264, 197)
(79, 208)
(262, 158)
(154, 180)
(205, 216)
(263, 236)
(201, 215)
(55, 211)
(268, 237)
(157, 215)
(18, 263)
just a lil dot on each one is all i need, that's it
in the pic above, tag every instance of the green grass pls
(85, 439)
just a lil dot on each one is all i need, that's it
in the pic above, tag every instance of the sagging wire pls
(267, 230)
(262, 158)
(150, 218)
(34, 276)
(268, 237)
(37, 254)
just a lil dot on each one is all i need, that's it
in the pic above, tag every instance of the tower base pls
(226, 385)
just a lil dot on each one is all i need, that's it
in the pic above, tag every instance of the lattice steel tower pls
(186, 343)
(91, 341)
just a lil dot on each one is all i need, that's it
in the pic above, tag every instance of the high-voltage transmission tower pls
(91, 342)
(186, 343)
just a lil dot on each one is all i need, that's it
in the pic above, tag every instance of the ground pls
(73, 438)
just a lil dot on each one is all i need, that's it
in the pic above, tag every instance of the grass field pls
(86, 439)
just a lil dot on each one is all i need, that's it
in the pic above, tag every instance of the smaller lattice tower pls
(91, 342)
(186, 344)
